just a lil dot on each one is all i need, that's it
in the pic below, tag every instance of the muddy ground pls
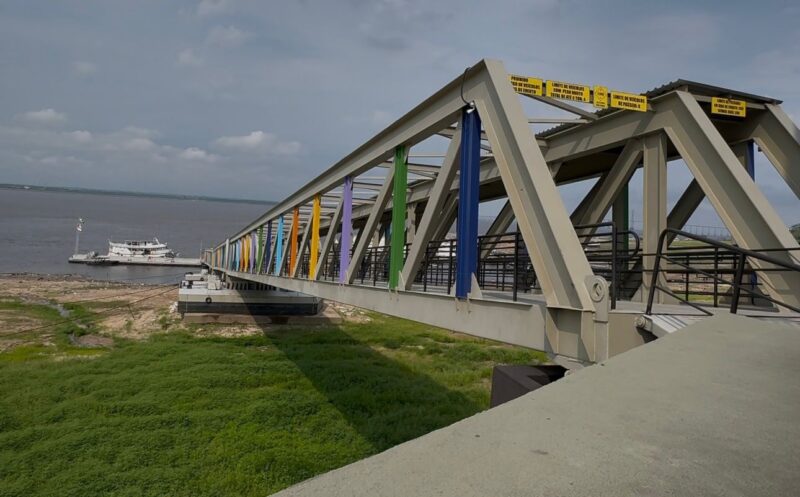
(125, 310)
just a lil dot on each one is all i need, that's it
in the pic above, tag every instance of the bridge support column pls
(398, 233)
(655, 204)
(347, 228)
(468, 191)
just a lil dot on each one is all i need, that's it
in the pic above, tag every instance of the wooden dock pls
(111, 260)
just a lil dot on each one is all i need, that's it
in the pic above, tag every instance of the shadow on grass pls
(385, 401)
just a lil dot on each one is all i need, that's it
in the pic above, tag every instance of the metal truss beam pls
(284, 255)
(744, 210)
(589, 116)
(432, 115)
(420, 192)
(607, 132)
(329, 237)
(365, 235)
(432, 217)
(779, 139)
(499, 226)
(556, 253)
(301, 249)
(683, 209)
(594, 207)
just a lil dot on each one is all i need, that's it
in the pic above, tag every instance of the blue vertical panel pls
(279, 246)
(468, 186)
(235, 258)
(751, 159)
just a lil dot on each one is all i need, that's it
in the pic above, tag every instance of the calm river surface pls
(37, 230)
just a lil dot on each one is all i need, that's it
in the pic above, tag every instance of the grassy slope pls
(58, 330)
(181, 415)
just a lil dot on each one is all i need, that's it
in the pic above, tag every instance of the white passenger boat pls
(140, 248)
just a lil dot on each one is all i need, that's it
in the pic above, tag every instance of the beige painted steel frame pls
(573, 324)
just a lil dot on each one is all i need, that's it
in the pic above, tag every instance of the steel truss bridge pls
(372, 230)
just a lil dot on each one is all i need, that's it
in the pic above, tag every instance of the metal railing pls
(609, 253)
(504, 264)
(700, 271)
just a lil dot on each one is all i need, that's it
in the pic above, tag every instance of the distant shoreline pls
(122, 193)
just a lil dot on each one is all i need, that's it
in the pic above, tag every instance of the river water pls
(37, 230)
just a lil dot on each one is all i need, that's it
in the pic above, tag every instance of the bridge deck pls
(710, 410)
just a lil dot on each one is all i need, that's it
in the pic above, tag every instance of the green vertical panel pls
(398, 216)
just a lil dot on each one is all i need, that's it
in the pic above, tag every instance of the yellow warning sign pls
(728, 107)
(526, 85)
(628, 101)
(600, 99)
(567, 91)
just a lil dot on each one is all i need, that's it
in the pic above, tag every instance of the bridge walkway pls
(710, 410)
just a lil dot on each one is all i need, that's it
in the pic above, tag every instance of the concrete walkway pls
(712, 410)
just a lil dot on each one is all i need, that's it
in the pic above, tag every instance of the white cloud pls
(137, 131)
(58, 160)
(213, 7)
(139, 144)
(197, 154)
(125, 147)
(227, 36)
(44, 116)
(261, 142)
(80, 136)
(187, 58)
(84, 68)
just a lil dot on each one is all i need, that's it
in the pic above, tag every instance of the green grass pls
(183, 415)
(57, 327)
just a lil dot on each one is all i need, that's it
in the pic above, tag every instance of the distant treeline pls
(91, 191)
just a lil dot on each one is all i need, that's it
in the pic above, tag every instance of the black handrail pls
(742, 254)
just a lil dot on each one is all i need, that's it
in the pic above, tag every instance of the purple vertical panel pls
(347, 228)
(253, 251)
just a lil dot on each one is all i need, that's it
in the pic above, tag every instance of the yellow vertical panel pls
(245, 253)
(315, 214)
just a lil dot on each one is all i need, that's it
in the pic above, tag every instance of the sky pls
(251, 99)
